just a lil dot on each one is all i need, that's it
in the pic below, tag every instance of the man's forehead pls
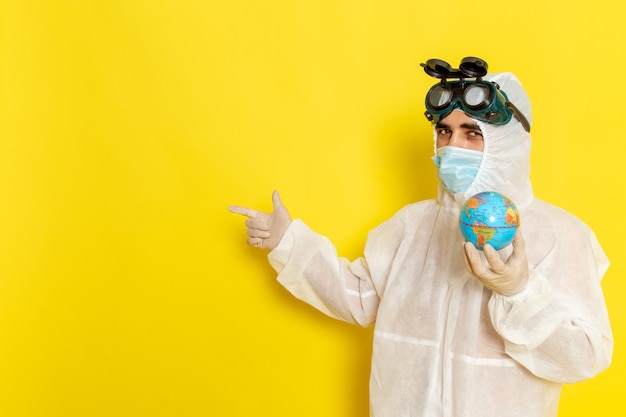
(458, 118)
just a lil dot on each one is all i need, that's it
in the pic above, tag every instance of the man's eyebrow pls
(472, 126)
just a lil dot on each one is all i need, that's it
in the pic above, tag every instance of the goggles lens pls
(440, 96)
(477, 96)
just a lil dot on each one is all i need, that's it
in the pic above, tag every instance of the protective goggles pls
(480, 99)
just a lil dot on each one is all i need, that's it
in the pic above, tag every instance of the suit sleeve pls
(308, 266)
(558, 327)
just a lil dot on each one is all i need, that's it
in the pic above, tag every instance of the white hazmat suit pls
(444, 345)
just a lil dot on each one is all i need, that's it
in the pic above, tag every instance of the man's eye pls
(475, 134)
(443, 131)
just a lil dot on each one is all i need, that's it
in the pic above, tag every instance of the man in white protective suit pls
(461, 332)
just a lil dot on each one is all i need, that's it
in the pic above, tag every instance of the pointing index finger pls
(244, 211)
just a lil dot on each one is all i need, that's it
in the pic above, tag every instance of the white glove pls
(265, 230)
(503, 278)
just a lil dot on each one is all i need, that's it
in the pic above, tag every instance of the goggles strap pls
(519, 115)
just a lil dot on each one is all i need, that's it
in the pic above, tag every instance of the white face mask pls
(457, 167)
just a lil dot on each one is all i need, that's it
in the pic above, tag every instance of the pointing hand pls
(265, 230)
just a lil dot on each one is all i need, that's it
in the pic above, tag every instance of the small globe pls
(489, 217)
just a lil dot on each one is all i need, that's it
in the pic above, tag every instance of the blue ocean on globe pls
(489, 218)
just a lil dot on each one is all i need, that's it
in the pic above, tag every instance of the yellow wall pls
(128, 126)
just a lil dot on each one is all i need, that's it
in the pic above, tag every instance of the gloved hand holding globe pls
(490, 221)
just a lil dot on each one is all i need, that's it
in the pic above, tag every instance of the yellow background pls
(128, 126)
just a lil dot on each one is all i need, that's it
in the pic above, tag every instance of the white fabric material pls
(444, 345)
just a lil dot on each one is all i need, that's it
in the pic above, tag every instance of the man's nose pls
(457, 139)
